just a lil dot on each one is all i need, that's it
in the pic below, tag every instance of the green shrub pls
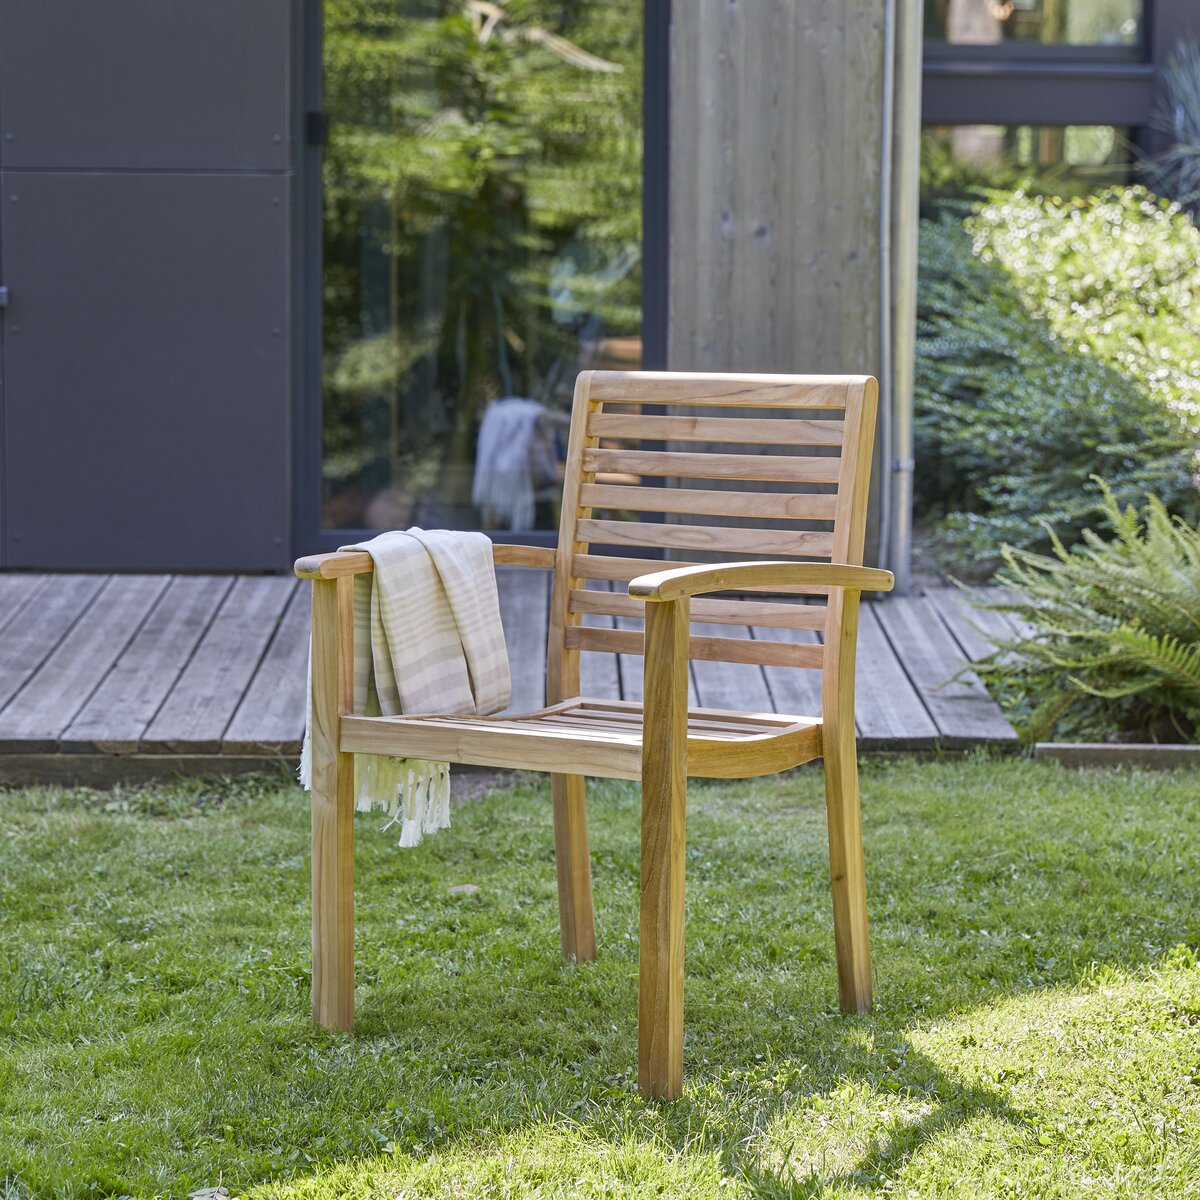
(1055, 343)
(1113, 643)
(1116, 276)
(951, 182)
(1176, 171)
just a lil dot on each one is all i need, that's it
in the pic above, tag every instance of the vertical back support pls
(572, 856)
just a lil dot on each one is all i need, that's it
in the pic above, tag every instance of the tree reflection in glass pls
(482, 233)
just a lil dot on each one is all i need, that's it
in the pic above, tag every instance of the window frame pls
(1021, 83)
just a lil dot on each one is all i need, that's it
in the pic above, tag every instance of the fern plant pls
(1112, 643)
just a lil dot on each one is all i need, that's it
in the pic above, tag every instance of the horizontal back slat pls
(718, 612)
(776, 467)
(759, 432)
(739, 650)
(765, 506)
(730, 539)
(730, 464)
(728, 391)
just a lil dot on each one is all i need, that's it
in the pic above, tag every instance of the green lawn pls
(1037, 1029)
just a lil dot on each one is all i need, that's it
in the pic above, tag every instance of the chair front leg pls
(664, 800)
(332, 806)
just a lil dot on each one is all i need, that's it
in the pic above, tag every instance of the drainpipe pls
(887, 391)
(899, 198)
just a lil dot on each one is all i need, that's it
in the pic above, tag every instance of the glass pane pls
(1062, 22)
(1065, 160)
(482, 242)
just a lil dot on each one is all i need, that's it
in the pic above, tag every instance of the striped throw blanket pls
(427, 640)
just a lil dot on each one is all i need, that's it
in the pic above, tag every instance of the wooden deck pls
(138, 676)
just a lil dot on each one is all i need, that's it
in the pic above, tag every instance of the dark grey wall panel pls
(145, 83)
(147, 373)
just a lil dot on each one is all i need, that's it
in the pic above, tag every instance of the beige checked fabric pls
(427, 640)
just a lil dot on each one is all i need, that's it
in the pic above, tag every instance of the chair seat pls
(591, 737)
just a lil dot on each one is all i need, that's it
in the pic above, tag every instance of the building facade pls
(279, 275)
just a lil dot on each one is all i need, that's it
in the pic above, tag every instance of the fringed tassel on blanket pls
(413, 791)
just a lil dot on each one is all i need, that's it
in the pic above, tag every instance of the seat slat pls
(719, 612)
(716, 649)
(729, 539)
(735, 716)
(574, 723)
(591, 738)
(740, 391)
(759, 431)
(610, 567)
(676, 464)
(770, 506)
(614, 721)
(524, 747)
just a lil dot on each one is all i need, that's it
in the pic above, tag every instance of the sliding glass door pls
(482, 243)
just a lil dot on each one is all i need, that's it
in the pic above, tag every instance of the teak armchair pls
(661, 741)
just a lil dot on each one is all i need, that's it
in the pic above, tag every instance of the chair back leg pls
(847, 872)
(574, 865)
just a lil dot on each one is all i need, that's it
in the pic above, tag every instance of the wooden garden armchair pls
(661, 741)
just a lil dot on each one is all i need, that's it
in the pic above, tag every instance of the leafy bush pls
(1176, 171)
(1116, 275)
(1056, 342)
(953, 182)
(1114, 631)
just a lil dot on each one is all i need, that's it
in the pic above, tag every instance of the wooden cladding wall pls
(776, 171)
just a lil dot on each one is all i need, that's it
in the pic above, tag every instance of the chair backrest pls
(693, 463)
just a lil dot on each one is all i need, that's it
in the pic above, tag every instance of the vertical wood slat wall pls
(775, 177)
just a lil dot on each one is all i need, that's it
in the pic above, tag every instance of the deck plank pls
(36, 630)
(970, 626)
(631, 668)
(46, 705)
(964, 713)
(794, 690)
(270, 718)
(599, 674)
(739, 686)
(888, 711)
(1003, 595)
(525, 614)
(122, 707)
(198, 709)
(16, 591)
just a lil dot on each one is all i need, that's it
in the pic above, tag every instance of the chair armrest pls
(678, 582)
(335, 565)
(524, 556)
(358, 562)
